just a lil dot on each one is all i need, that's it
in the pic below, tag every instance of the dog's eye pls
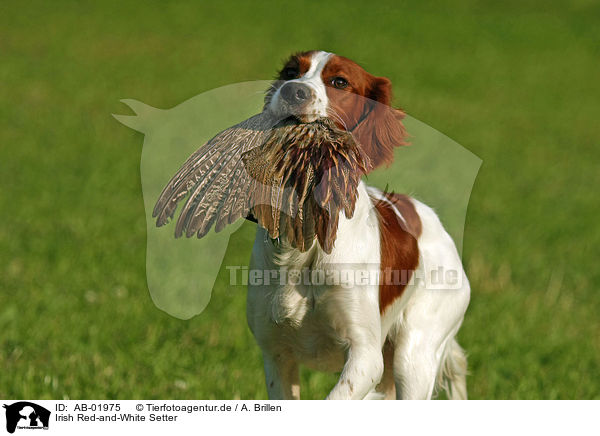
(289, 73)
(339, 82)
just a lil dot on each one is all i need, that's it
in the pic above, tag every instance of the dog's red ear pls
(381, 128)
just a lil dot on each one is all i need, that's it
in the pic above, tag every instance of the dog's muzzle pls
(295, 99)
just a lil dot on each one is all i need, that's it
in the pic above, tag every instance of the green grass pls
(516, 83)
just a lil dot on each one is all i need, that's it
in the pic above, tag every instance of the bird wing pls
(294, 178)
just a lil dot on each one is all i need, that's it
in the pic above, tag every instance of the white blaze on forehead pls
(318, 60)
(312, 78)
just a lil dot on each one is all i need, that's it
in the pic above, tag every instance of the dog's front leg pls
(362, 372)
(282, 377)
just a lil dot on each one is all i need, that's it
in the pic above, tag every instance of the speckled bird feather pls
(293, 178)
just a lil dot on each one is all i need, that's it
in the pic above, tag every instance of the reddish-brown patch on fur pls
(363, 107)
(399, 248)
(298, 61)
(407, 209)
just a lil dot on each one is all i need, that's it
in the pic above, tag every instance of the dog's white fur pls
(337, 326)
(312, 78)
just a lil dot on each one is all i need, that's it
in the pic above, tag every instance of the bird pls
(291, 177)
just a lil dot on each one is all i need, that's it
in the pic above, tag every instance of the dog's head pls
(318, 84)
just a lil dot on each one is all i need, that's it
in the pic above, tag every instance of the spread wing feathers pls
(201, 167)
(293, 178)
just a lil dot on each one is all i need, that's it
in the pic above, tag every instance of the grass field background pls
(515, 82)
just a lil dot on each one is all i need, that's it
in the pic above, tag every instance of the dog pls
(391, 335)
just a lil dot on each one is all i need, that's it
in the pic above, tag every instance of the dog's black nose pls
(295, 93)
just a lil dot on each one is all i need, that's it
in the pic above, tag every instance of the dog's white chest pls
(305, 308)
